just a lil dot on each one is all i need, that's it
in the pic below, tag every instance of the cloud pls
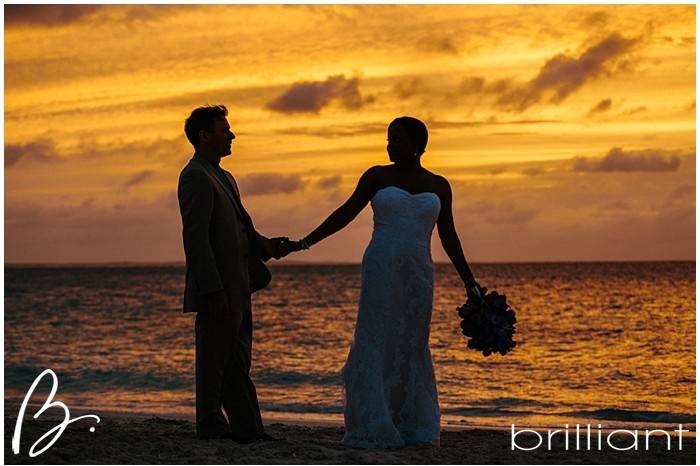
(329, 182)
(312, 96)
(503, 212)
(406, 88)
(172, 149)
(558, 78)
(532, 171)
(680, 41)
(258, 184)
(617, 206)
(85, 231)
(634, 110)
(597, 18)
(563, 74)
(43, 150)
(47, 15)
(144, 13)
(138, 178)
(58, 15)
(682, 191)
(683, 195)
(511, 133)
(440, 45)
(440, 124)
(479, 85)
(337, 131)
(471, 86)
(169, 151)
(649, 160)
(602, 106)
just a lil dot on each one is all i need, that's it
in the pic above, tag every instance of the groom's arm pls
(196, 197)
(262, 245)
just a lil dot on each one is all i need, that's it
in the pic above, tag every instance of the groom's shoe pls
(265, 437)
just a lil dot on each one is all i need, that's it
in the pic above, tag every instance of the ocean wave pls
(488, 412)
(615, 414)
(290, 378)
(21, 377)
(512, 401)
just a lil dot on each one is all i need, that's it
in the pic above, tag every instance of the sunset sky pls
(567, 132)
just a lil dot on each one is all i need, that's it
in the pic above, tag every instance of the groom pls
(218, 237)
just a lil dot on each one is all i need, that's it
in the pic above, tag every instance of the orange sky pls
(567, 132)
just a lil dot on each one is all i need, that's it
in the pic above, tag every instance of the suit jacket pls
(216, 237)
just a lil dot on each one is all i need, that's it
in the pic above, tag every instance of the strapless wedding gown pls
(390, 393)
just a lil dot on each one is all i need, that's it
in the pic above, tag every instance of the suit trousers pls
(223, 349)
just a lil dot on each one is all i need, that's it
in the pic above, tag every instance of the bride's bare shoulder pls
(375, 172)
(441, 185)
(379, 168)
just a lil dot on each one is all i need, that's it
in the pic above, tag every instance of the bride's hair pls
(415, 129)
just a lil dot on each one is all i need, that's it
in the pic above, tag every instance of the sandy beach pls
(120, 439)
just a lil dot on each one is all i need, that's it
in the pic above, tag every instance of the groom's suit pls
(218, 236)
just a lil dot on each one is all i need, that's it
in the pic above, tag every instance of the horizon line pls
(316, 263)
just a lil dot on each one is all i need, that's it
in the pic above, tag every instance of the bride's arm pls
(448, 235)
(347, 212)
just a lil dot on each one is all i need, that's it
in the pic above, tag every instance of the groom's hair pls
(415, 129)
(203, 118)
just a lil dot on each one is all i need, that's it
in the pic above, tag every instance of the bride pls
(390, 393)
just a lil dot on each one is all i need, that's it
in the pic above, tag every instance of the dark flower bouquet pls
(488, 321)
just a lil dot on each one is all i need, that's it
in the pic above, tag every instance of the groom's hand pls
(276, 246)
(289, 247)
(218, 305)
(270, 247)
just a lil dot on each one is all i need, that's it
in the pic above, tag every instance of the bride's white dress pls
(390, 393)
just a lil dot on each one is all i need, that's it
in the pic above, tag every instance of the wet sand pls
(123, 439)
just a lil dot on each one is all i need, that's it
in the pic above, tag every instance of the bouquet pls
(489, 322)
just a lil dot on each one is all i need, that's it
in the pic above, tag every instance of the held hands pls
(280, 247)
(271, 247)
(287, 247)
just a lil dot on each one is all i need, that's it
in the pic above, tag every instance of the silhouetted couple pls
(390, 391)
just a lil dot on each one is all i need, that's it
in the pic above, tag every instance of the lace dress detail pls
(389, 384)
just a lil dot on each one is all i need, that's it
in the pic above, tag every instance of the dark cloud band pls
(563, 74)
(258, 184)
(47, 15)
(619, 160)
(42, 150)
(312, 96)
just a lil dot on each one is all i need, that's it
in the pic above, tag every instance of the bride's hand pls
(288, 247)
(474, 291)
(271, 247)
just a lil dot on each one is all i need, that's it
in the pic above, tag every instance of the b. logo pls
(49, 403)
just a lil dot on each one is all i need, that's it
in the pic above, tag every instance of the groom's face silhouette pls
(218, 141)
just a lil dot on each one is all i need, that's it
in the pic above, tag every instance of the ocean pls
(598, 343)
